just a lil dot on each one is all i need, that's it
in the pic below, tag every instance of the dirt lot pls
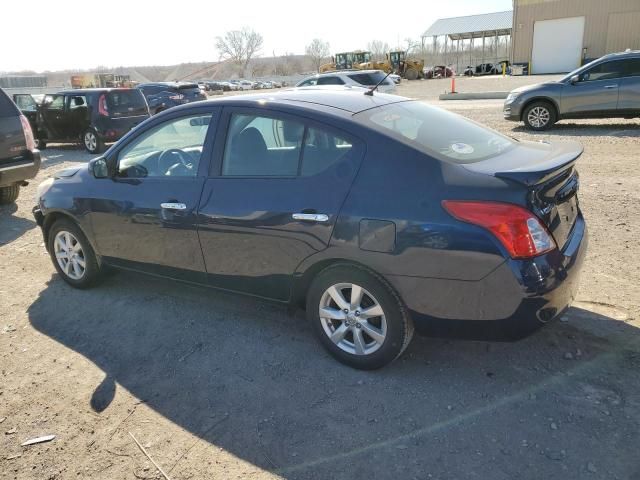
(216, 386)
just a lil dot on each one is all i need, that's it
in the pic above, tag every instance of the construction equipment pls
(341, 61)
(411, 69)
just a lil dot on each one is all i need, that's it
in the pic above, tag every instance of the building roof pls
(472, 26)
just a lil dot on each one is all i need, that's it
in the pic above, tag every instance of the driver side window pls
(171, 149)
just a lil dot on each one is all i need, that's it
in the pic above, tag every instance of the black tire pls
(92, 142)
(92, 271)
(539, 115)
(411, 74)
(9, 194)
(399, 327)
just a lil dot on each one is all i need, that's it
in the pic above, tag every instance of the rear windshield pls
(368, 79)
(126, 103)
(436, 132)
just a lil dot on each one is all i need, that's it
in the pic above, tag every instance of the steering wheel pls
(174, 159)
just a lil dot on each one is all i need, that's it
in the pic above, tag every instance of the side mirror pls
(574, 79)
(100, 168)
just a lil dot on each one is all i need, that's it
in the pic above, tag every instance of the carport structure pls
(460, 34)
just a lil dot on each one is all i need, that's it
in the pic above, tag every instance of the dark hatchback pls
(163, 95)
(93, 116)
(376, 213)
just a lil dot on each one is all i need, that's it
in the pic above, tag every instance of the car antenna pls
(373, 89)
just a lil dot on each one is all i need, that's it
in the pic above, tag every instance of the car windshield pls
(126, 103)
(436, 132)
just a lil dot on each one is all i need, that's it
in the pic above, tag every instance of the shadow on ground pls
(539, 408)
(620, 129)
(13, 227)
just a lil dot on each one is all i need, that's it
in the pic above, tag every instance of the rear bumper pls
(20, 170)
(512, 301)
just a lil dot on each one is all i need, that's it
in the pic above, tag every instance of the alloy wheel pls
(69, 255)
(538, 117)
(90, 141)
(353, 319)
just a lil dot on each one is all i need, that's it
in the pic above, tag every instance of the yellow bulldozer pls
(408, 68)
(340, 61)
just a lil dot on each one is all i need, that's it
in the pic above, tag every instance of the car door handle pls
(311, 217)
(173, 206)
(610, 86)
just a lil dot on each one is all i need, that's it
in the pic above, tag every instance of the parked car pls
(163, 95)
(19, 158)
(246, 85)
(353, 78)
(28, 105)
(376, 213)
(396, 78)
(439, 71)
(608, 87)
(92, 116)
(483, 69)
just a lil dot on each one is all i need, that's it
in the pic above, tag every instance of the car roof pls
(629, 53)
(348, 100)
(79, 91)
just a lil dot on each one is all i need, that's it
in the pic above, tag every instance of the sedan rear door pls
(273, 198)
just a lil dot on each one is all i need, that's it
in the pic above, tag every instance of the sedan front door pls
(595, 93)
(145, 216)
(273, 199)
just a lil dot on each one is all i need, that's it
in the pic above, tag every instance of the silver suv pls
(607, 87)
(353, 78)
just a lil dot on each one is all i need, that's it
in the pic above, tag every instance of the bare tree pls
(317, 50)
(378, 49)
(239, 46)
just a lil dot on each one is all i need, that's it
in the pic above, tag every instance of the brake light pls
(177, 96)
(28, 133)
(519, 230)
(102, 105)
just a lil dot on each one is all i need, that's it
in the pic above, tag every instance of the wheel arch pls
(548, 100)
(303, 279)
(52, 217)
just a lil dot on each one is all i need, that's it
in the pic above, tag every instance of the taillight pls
(177, 96)
(28, 133)
(519, 230)
(102, 105)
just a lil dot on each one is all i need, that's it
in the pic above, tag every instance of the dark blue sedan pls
(376, 213)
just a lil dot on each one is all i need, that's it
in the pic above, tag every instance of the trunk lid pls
(190, 91)
(548, 173)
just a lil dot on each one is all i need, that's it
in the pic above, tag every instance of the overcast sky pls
(62, 34)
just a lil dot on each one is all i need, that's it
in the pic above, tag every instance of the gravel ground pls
(219, 386)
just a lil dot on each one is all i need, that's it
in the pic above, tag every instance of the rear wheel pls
(92, 141)
(539, 116)
(72, 255)
(358, 317)
(9, 194)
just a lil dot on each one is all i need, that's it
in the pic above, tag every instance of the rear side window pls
(126, 103)
(436, 132)
(632, 67)
(322, 149)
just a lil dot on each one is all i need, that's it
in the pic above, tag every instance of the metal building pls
(23, 81)
(469, 40)
(554, 36)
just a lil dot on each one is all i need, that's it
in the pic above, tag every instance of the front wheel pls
(358, 317)
(539, 116)
(72, 255)
(411, 74)
(92, 142)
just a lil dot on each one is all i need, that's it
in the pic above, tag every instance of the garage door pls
(557, 45)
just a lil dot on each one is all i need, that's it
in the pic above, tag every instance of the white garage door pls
(557, 45)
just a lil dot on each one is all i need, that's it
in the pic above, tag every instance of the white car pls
(352, 78)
